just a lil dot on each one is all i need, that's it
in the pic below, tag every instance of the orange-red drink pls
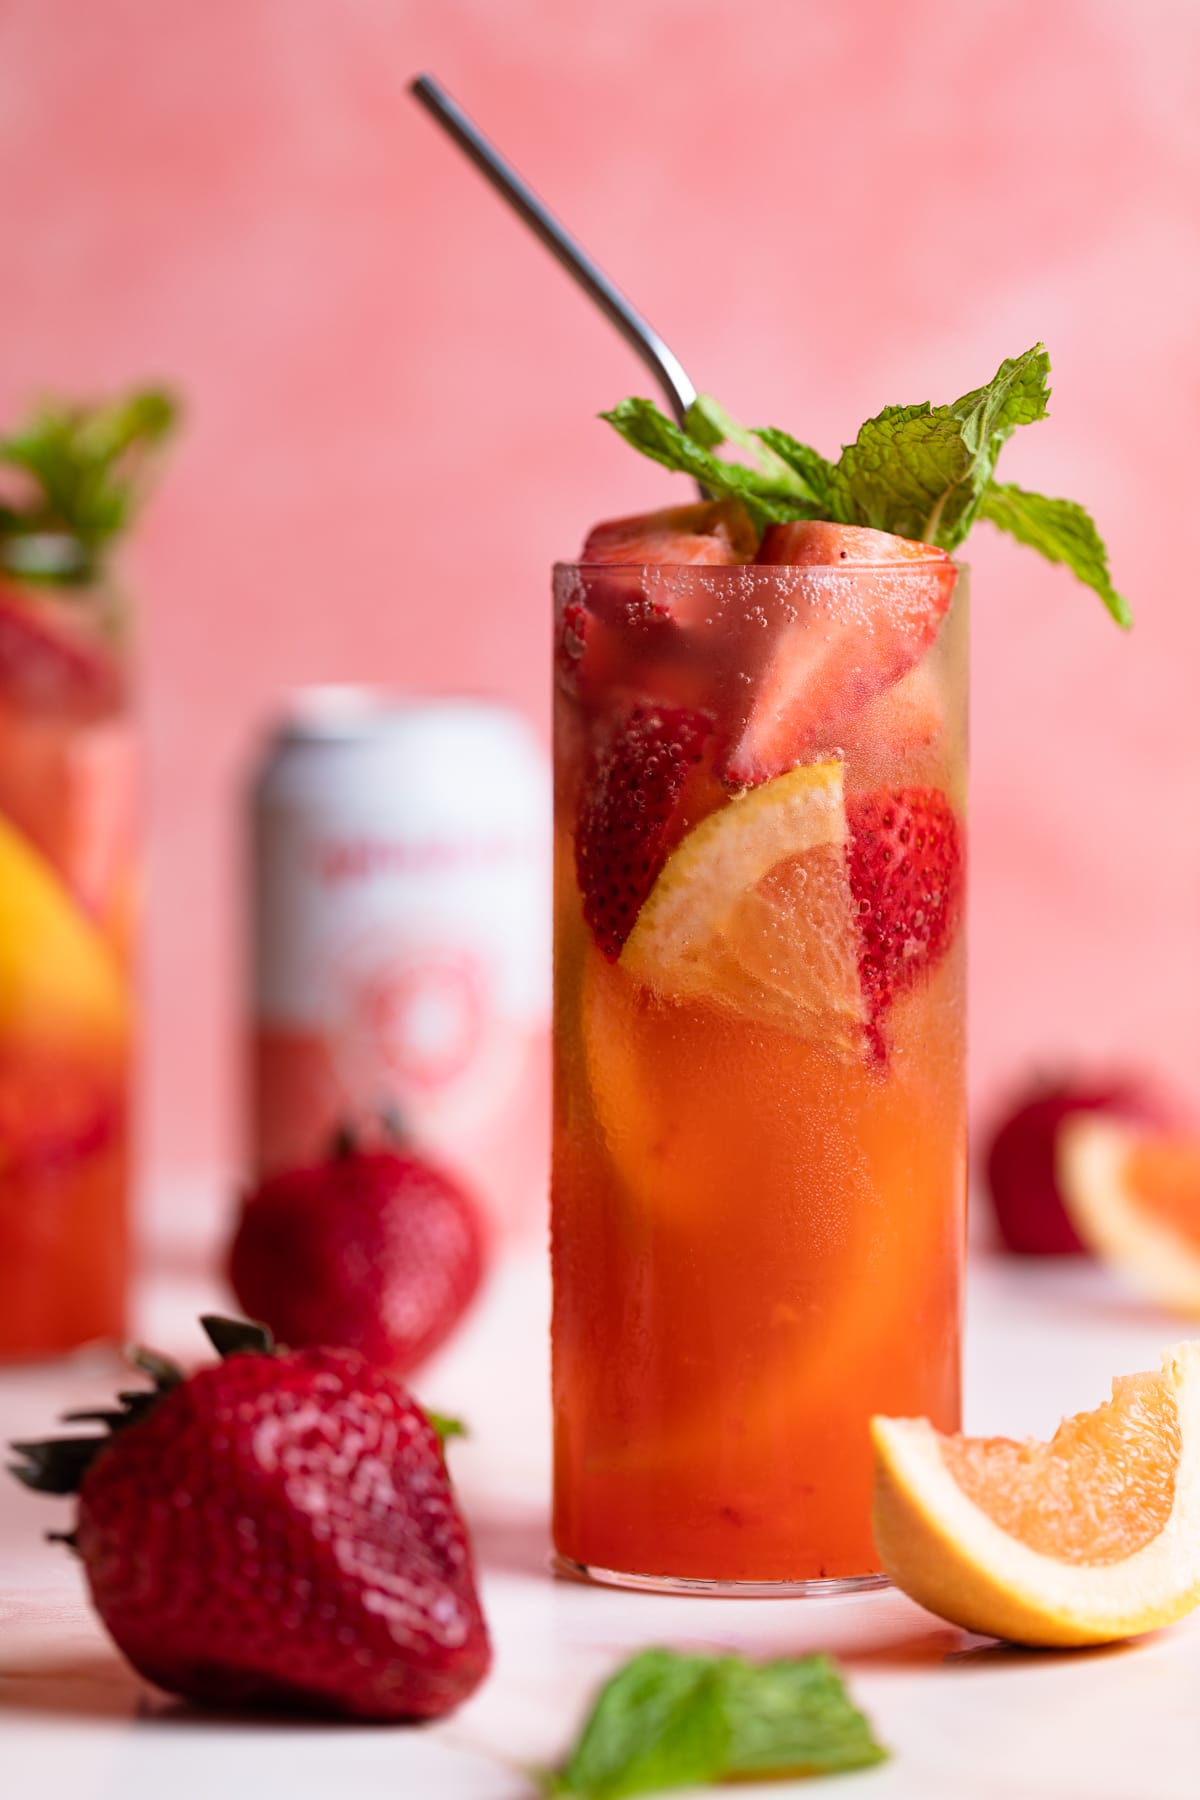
(71, 478)
(67, 893)
(759, 1151)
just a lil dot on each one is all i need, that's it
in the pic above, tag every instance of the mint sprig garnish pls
(924, 472)
(769, 497)
(1062, 530)
(666, 1720)
(72, 478)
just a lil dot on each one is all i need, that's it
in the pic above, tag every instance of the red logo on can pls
(419, 1021)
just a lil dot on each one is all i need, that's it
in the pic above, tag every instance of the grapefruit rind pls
(946, 1553)
(1164, 1264)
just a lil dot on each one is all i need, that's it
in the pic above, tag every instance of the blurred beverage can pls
(400, 938)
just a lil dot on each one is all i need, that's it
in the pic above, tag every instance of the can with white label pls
(400, 869)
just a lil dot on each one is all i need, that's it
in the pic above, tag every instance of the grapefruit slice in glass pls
(1091, 1537)
(753, 913)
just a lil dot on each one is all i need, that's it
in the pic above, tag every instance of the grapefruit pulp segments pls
(753, 912)
(1133, 1195)
(1090, 1537)
(64, 1017)
(58, 981)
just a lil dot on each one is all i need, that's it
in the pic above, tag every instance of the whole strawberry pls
(277, 1529)
(372, 1248)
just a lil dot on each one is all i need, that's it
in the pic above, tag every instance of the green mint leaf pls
(900, 468)
(1062, 531)
(667, 1721)
(657, 1724)
(812, 468)
(711, 426)
(446, 1427)
(78, 474)
(793, 1715)
(1018, 394)
(641, 424)
(921, 471)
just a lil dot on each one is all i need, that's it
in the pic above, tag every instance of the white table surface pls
(965, 1719)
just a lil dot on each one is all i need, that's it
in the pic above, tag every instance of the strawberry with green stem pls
(277, 1529)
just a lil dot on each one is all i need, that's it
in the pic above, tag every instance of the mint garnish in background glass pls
(71, 479)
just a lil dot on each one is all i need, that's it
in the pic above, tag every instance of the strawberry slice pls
(630, 817)
(710, 534)
(621, 617)
(849, 643)
(50, 662)
(712, 531)
(906, 870)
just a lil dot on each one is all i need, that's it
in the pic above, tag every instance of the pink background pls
(390, 394)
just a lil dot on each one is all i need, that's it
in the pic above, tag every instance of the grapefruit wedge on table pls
(1133, 1195)
(1091, 1537)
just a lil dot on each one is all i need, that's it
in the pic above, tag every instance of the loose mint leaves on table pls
(924, 472)
(666, 1721)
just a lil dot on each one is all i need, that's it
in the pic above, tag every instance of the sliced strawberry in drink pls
(574, 637)
(631, 814)
(50, 661)
(712, 531)
(906, 868)
(628, 622)
(850, 642)
(817, 542)
(908, 717)
(710, 534)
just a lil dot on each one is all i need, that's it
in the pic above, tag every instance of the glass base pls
(823, 1589)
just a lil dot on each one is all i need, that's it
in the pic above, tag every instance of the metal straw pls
(641, 337)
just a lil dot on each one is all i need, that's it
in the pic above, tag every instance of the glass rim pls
(725, 571)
